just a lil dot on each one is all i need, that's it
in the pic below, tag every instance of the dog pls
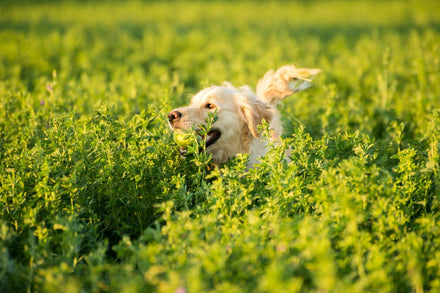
(240, 111)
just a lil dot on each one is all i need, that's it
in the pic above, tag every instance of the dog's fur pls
(240, 111)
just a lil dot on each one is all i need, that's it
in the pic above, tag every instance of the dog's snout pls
(174, 115)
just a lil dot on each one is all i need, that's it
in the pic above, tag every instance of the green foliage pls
(95, 197)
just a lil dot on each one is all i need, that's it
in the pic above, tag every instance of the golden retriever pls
(240, 111)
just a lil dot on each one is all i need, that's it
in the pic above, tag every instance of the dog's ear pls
(253, 111)
(287, 80)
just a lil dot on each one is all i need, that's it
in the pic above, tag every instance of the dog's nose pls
(174, 115)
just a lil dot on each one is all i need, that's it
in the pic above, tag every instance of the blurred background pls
(131, 53)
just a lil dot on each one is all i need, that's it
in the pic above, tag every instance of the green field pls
(94, 196)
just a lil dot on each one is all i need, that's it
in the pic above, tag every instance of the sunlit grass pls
(95, 197)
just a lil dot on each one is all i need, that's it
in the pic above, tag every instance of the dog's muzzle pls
(211, 138)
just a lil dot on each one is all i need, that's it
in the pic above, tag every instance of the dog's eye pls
(209, 106)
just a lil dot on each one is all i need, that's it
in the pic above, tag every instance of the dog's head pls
(238, 111)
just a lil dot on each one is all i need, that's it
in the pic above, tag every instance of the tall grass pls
(94, 196)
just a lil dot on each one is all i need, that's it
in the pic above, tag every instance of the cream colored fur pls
(240, 111)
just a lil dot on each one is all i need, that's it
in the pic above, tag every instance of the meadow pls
(94, 196)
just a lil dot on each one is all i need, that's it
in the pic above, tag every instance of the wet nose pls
(174, 115)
